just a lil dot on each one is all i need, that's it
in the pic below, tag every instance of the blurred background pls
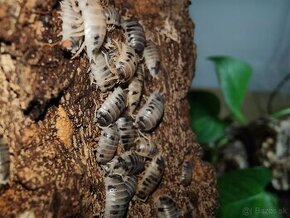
(255, 31)
(240, 102)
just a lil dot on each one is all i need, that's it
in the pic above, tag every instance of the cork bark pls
(47, 110)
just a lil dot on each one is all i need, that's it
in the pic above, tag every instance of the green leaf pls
(242, 194)
(234, 76)
(204, 110)
(281, 113)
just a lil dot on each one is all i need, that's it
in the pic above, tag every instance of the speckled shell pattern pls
(152, 59)
(145, 148)
(150, 114)
(186, 171)
(95, 26)
(108, 144)
(134, 33)
(112, 16)
(4, 162)
(151, 177)
(72, 26)
(127, 131)
(101, 75)
(111, 109)
(166, 207)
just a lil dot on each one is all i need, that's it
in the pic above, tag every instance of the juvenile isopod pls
(134, 33)
(135, 91)
(101, 75)
(126, 63)
(146, 148)
(111, 109)
(150, 114)
(117, 196)
(166, 207)
(186, 171)
(127, 131)
(152, 59)
(4, 162)
(95, 26)
(151, 177)
(107, 145)
(128, 163)
(72, 26)
(112, 17)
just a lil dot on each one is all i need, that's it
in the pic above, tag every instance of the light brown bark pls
(47, 109)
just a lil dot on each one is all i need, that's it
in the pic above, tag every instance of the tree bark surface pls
(47, 114)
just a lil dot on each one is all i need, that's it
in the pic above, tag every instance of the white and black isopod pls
(100, 74)
(146, 148)
(131, 184)
(107, 145)
(166, 207)
(111, 109)
(72, 26)
(95, 26)
(152, 58)
(4, 162)
(134, 33)
(128, 163)
(186, 171)
(126, 63)
(127, 131)
(113, 17)
(151, 178)
(117, 196)
(135, 91)
(151, 112)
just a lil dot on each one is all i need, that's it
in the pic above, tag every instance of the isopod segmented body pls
(72, 26)
(131, 184)
(127, 131)
(111, 109)
(186, 171)
(128, 163)
(134, 33)
(100, 74)
(126, 63)
(4, 162)
(166, 207)
(135, 91)
(107, 145)
(117, 196)
(146, 148)
(152, 59)
(151, 112)
(112, 16)
(94, 26)
(151, 178)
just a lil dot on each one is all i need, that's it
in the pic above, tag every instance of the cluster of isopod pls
(117, 67)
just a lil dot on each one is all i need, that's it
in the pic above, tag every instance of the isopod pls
(186, 171)
(128, 163)
(126, 63)
(152, 59)
(151, 178)
(146, 148)
(107, 145)
(111, 109)
(100, 74)
(131, 184)
(112, 17)
(72, 26)
(151, 112)
(134, 33)
(127, 131)
(117, 196)
(166, 207)
(4, 162)
(135, 91)
(95, 26)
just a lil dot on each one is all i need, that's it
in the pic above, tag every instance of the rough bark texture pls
(47, 112)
